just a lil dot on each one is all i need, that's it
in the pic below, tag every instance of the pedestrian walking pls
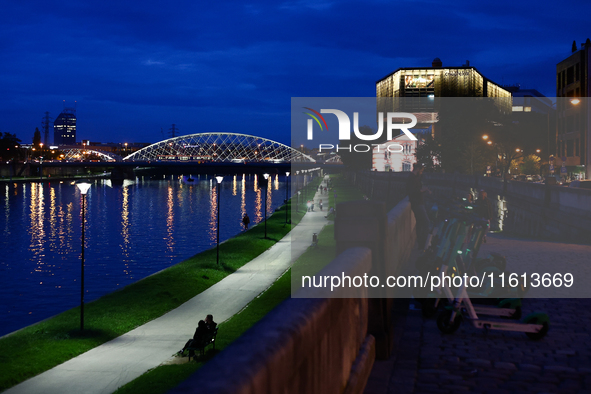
(246, 221)
(484, 209)
(320, 204)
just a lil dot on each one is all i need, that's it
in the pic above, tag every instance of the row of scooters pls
(452, 251)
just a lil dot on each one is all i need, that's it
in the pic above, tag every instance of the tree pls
(9, 146)
(530, 165)
(37, 138)
(428, 153)
(461, 124)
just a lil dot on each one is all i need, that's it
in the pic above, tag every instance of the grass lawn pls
(42, 346)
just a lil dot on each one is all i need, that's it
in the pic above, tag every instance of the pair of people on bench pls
(203, 331)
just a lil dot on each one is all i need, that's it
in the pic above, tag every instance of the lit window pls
(526, 109)
(517, 108)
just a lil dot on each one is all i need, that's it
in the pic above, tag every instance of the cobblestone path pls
(473, 361)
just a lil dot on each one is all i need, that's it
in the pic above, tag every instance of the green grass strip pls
(44, 345)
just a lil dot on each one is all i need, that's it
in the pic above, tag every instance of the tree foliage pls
(9, 146)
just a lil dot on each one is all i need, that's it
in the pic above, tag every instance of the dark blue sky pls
(135, 68)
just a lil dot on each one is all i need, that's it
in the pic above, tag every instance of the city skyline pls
(134, 69)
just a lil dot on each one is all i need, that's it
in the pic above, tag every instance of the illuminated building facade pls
(439, 81)
(572, 124)
(415, 90)
(64, 128)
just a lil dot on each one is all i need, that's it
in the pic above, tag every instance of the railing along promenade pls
(523, 208)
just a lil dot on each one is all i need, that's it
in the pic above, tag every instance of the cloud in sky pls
(135, 68)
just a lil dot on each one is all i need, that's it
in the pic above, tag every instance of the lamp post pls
(83, 186)
(219, 179)
(266, 192)
(298, 206)
(286, 193)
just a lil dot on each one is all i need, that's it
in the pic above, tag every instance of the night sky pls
(135, 68)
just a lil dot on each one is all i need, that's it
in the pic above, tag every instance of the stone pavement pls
(117, 362)
(470, 360)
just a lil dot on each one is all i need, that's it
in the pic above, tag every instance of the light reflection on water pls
(132, 231)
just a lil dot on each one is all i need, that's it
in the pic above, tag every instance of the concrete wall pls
(391, 237)
(312, 345)
(538, 210)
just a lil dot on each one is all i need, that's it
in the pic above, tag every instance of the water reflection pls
(213, 203)
(258, 206)
(170, 219)
(125, 223)
(243, 197)
(133, 230)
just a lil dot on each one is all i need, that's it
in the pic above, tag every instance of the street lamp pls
(266, 176)
(83, 186)
(219, 179)
(286, 193)
(298, 206)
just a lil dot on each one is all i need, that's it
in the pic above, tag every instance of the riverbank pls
(45, 179)
(42, 346)
(163, 378)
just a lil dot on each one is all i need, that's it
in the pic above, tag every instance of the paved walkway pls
(428, 361)
(115, 363)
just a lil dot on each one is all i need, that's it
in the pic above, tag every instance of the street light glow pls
(219, 178)
(485, 137)
(83, 186)
(575, 101)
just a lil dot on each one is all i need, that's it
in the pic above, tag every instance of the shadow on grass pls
(209, 354)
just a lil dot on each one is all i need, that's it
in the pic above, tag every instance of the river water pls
(131, 231)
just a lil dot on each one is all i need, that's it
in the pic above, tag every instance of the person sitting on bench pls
(198, 337)
(210, 324)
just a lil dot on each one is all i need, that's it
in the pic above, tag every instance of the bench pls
(200, 347)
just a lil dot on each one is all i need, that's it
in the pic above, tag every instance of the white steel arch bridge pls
(219, 147)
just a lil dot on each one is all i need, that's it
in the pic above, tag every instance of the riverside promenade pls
(470, 360)
(107, 367)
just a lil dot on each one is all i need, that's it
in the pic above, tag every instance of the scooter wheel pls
(536, 336)
(517, 314)
(445, 325)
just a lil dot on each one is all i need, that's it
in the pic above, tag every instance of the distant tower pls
(64, 127)
(173, 130)
(45, 124)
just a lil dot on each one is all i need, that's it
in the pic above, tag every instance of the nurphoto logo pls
(345, 129)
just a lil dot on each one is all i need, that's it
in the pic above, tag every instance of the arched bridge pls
(218, 147)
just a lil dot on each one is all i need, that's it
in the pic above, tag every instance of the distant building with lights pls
(439, 81)
(415, 90)
(573, 126)
(64, 127)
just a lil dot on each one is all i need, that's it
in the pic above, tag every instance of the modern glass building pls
(64, 128)
(439, 81)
